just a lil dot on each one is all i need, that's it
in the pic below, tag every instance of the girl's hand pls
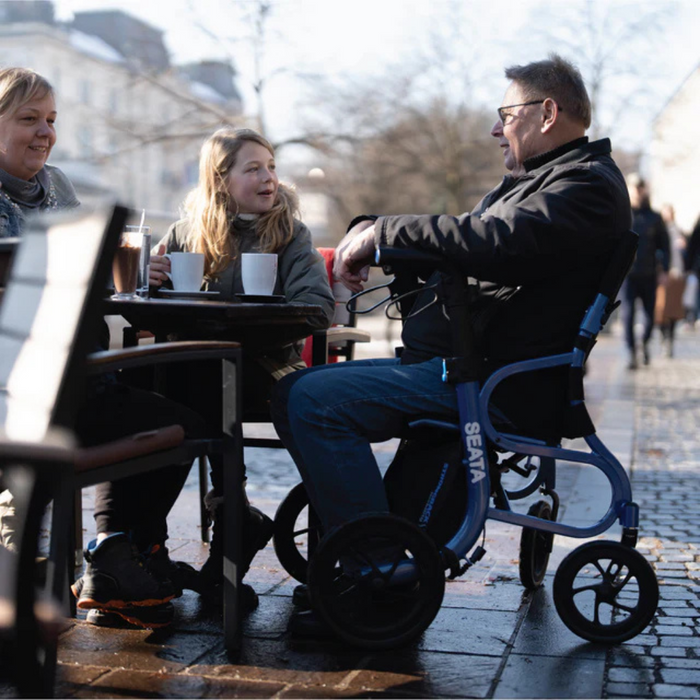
(159, 266)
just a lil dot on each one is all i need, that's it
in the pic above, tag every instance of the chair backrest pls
(49, 315)
(7, 249)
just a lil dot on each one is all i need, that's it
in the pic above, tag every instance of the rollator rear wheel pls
(535, 548)
(293, 533)
(606, 592)
(362, 603)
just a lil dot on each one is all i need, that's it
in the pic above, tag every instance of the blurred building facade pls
(675, 153)
(129, 123)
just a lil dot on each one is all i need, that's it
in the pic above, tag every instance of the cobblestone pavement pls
(491, 638)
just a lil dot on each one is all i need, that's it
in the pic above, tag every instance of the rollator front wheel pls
(377, 581)
(296, 531)
(606, 592)
(535, 548)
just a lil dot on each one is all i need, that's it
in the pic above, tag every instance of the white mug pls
(259, 273)
(186, 271)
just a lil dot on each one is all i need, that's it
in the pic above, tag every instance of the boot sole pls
(87, 603)
(125, 619)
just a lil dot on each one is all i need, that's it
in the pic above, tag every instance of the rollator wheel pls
(293, 534)
(367, 606)
(535, 548)
(605, 592)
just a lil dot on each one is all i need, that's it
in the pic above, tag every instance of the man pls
(538, 243)
(644, 277)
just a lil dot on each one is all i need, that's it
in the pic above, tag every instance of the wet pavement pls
(491, 639)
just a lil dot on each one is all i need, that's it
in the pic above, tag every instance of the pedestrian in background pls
(650, 268)
(669, 295)
(692, 267)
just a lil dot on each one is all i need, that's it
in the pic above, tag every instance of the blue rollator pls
(378, 581)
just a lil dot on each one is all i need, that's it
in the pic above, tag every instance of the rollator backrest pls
(578, 423)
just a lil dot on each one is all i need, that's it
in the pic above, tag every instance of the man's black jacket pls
(539, 245)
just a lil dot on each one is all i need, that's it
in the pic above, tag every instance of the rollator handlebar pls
(414, 258)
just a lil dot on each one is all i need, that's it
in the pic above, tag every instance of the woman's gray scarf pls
(18, 196)
(29, 194)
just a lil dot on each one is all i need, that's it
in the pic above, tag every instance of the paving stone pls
(662, 690)
(641, 675)
(628, 690)
(681, 663)
(669, 651)
(672, 629)
(678, 676)
(680, 641)
(551, 677)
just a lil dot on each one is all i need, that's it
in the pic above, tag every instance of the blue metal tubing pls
(475, 471)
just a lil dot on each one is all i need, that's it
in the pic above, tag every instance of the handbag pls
(690, 293)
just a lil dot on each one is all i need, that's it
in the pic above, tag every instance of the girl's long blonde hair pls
(209, 210)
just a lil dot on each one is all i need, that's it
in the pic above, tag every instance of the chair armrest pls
(57, 446)
(129, 447)
(343, 333)
(158, 353)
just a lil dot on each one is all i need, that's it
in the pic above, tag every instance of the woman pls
(669, 293)
(240, 206)
(27, 135)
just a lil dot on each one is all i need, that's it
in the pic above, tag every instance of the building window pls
(85, 142)
(114, 102)
(85, 92)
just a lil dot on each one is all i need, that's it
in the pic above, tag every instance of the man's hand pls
(353, 256)
(158, 267)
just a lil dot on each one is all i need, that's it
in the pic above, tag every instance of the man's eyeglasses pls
(502, 114)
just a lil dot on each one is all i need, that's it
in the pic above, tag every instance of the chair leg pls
(203, 489)
(78, 529)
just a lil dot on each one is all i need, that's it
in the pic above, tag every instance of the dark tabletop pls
(259, 325)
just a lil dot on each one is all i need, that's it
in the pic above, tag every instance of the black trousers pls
(138, 505)
(644, 288)
(202, 382)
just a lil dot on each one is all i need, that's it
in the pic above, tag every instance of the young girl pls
(240, 206)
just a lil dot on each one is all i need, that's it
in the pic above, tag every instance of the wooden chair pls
(46, 316)
(48, 323)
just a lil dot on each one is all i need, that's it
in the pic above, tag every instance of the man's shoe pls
(116, 577)
(300, 597)
(146, 618)
(257, 532)
(163, 568)
(306, 624)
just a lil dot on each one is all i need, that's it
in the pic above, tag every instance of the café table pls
(257, 327)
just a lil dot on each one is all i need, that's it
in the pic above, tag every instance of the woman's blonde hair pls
(19, 86)
(208, 205)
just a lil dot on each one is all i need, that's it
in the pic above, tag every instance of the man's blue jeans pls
(327, 417)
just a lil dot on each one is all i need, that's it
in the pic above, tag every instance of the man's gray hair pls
(557, 78)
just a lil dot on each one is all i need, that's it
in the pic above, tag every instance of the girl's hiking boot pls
(152, 617)
(116, 577)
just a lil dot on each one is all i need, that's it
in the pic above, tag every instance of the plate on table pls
(175, 294)
(261, 298)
